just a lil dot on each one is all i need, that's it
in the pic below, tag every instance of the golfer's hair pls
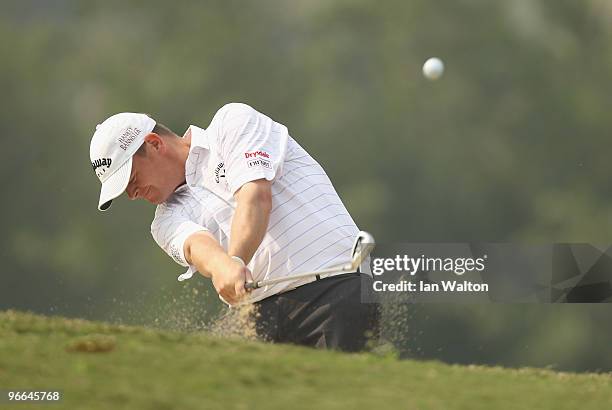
(159, 129)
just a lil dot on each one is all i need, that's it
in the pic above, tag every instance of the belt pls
(318, 277)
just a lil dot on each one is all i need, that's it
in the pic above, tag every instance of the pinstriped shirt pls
(309, 227)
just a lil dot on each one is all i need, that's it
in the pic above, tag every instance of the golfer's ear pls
(155, 141)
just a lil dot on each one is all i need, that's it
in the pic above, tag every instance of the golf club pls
(364, 244)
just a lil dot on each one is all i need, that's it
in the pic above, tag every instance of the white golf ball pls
(433, 68)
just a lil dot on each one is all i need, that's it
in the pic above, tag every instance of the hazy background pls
(512, 144)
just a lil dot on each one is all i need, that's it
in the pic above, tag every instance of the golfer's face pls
(148, 181)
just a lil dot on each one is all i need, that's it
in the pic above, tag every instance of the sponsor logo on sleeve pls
(176, 254)
(258, 159)
(259, 162)
(256, 154)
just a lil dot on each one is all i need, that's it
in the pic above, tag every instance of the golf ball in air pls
(433, 68)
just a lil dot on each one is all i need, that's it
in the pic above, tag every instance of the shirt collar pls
(198, 153)
(199, 137)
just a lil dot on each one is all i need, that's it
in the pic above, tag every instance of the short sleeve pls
(170, 229)
(252, 145)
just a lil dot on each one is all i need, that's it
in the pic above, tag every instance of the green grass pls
(140, 368)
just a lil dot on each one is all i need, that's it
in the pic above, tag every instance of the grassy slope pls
(149, 369)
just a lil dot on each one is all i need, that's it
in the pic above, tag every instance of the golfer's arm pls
(250, 221)
(205, 253)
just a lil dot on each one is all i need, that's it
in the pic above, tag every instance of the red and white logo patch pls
(258, 159)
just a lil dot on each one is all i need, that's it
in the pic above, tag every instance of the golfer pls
(240, 201)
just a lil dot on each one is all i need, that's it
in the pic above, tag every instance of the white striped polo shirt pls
(309, 228)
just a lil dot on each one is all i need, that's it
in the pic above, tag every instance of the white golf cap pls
(113, 144)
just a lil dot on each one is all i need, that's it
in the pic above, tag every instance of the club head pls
(364, 244)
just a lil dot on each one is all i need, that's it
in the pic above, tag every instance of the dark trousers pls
(327, 313)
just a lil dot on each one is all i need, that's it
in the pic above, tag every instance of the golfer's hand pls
(229, 283)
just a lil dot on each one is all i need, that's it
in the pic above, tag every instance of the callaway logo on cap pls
(111, 150)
